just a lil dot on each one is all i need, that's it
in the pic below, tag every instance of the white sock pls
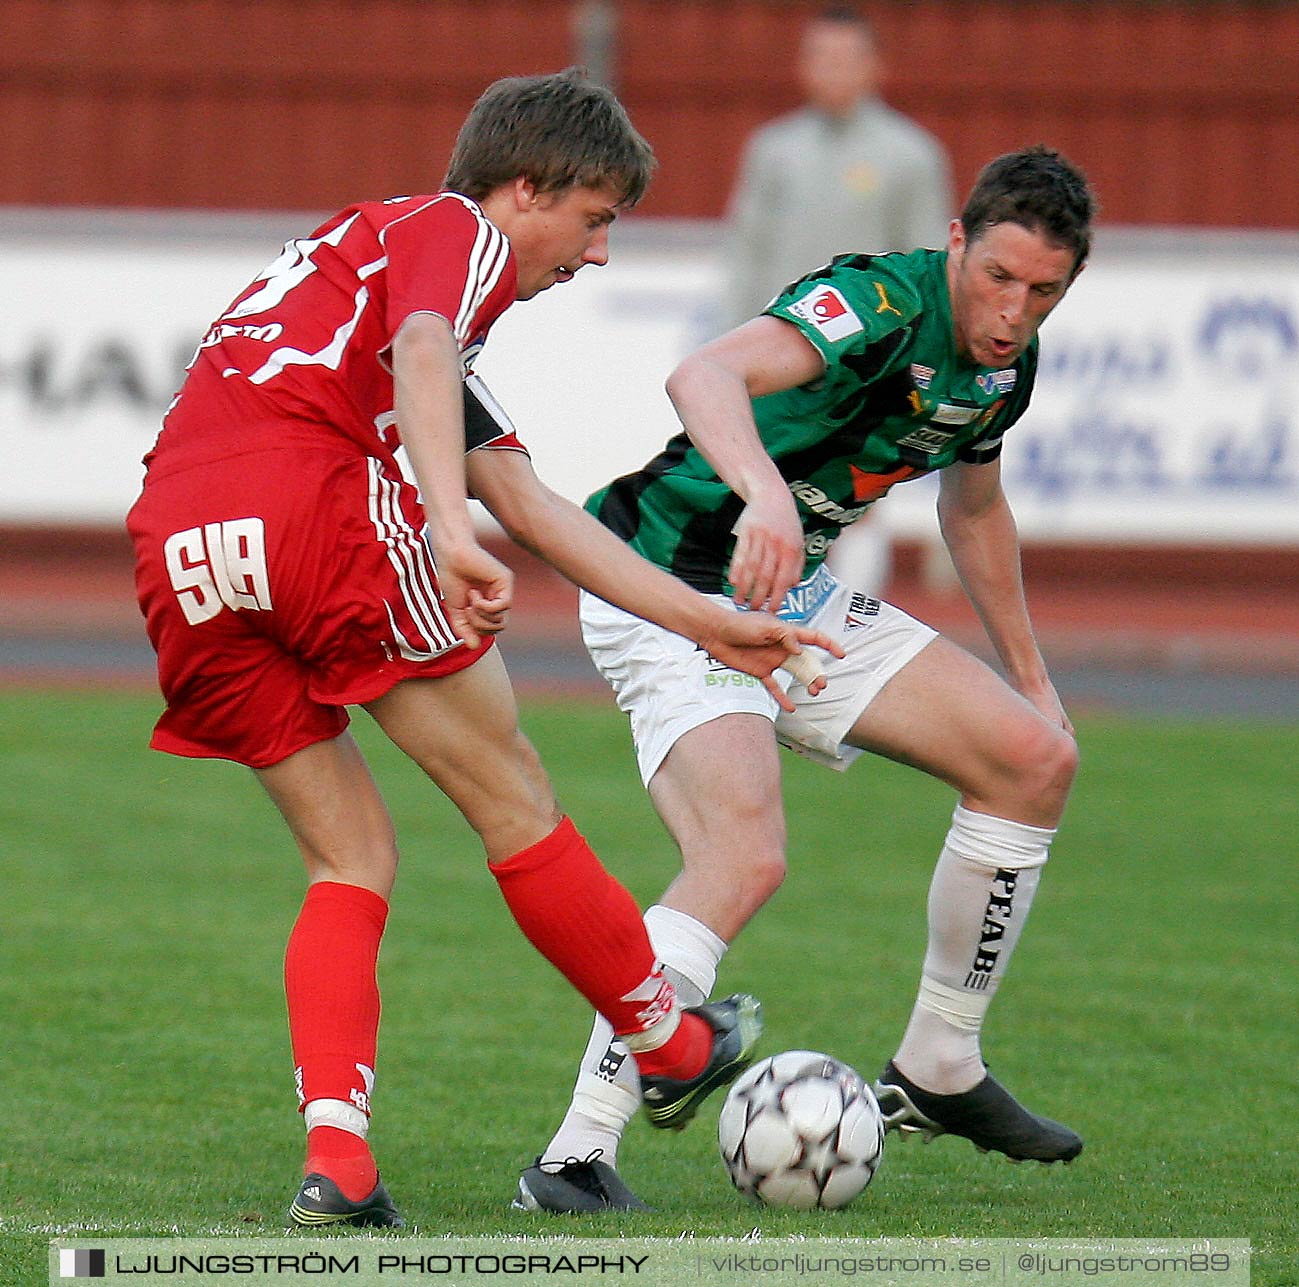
(337, 1113)
(688, 948)
(979, 899)
(607, 1091)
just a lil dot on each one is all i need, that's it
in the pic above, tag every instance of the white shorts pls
(669, 685)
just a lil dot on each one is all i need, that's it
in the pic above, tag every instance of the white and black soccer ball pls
(801, 1129)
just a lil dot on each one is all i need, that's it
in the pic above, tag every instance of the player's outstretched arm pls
(589, 555)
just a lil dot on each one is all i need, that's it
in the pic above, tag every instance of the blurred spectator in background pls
(843, 173)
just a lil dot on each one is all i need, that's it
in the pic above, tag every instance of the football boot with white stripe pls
(989, 1116)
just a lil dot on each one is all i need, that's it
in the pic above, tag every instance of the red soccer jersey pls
(304, 350)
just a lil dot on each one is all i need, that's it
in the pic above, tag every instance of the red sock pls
(683, 1054)
(588, 926)
(343, 1157)
(333, 998)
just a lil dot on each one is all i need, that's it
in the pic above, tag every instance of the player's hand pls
(1047, 701)
(769, 553)
(759, 644)
(477, 590)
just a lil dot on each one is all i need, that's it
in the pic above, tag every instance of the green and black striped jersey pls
(895, 402)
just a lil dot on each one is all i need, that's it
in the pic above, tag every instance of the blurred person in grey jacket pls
(845, 172)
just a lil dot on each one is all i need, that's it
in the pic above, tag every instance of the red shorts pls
(279, 586)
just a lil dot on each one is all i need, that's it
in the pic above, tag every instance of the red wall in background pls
(256, 104)
(1182, 113)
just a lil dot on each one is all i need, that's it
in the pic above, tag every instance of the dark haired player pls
(867, 372)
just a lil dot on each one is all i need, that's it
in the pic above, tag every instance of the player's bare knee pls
(764, 874)
(1059, 763)
(741, 844)
(749, 872)
(1044, 762)
(755, 863)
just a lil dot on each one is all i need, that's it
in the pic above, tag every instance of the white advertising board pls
(1167, 406)
(1167, 403)
(97, 320)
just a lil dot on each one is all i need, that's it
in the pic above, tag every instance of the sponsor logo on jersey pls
(928, 439)
(264, 333)
(219, 565)
(826, 309)
(860, 608)
(997, 381)
(885, 306)
(922, 376)
(717, 674)
(804, 600)
(947, 414)
(819, 503)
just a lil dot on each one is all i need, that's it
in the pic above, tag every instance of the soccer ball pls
(801, 1129)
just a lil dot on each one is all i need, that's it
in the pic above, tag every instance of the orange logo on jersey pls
(986, 417)
(870, 487)
(885, 306)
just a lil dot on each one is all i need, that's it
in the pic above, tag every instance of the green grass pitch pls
(146, 900)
